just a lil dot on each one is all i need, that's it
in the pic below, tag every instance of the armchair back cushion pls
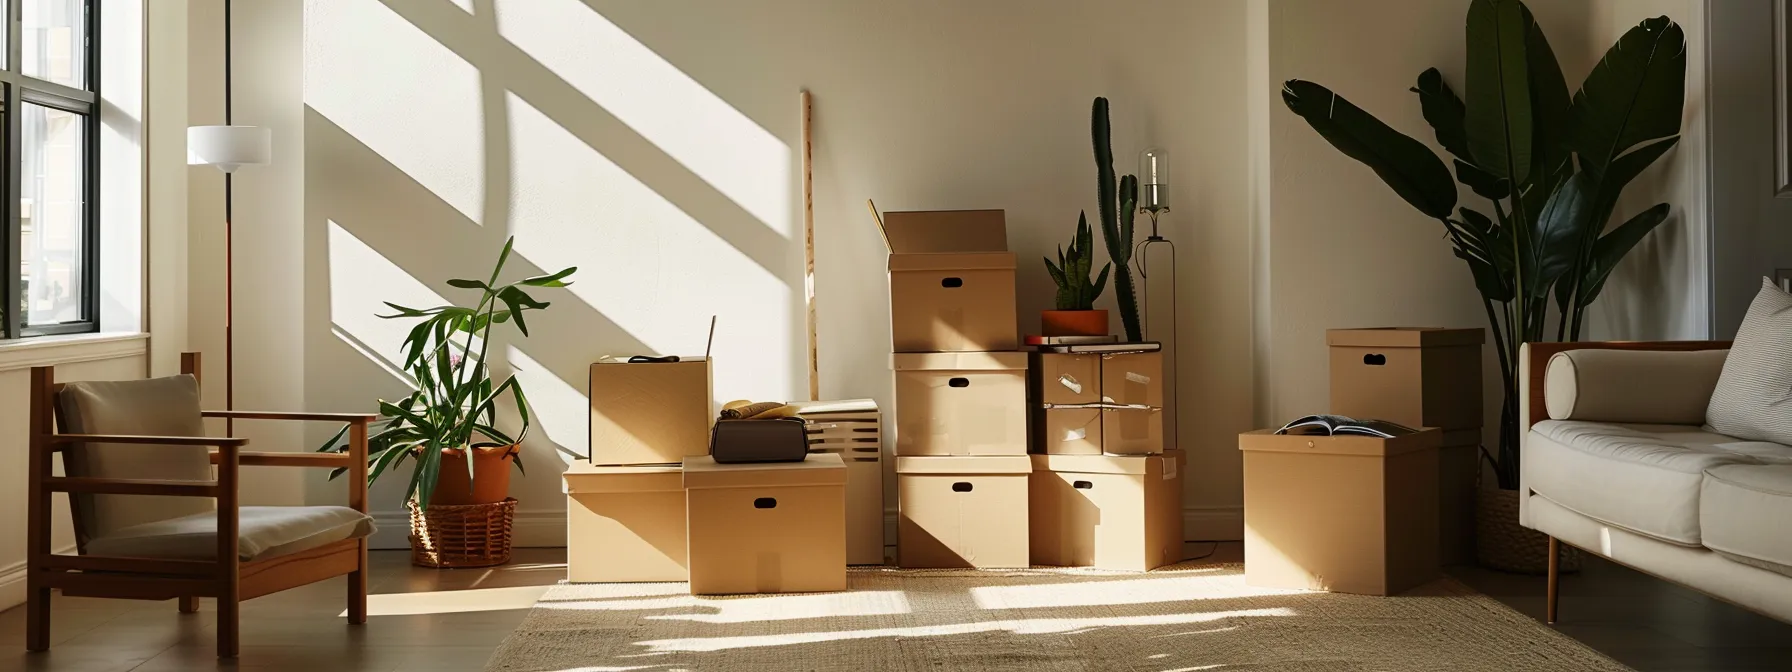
(1636, 386)
(1753, 399)
(157, 406)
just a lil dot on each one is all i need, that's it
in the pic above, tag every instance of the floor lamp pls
(227, 148)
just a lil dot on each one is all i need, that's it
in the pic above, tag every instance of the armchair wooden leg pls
(228, 635)
(357, 590)
(1555, 584)
(189, 605)
(37, 618)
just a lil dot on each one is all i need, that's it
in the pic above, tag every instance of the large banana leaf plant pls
(1549, 167)
(454, 405)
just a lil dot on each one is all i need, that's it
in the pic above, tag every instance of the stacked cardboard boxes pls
(961, 428)
(1421, 377)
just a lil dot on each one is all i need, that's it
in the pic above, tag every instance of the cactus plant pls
(1118, 203)
(1075, 292)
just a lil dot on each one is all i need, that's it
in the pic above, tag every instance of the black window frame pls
(17, 89)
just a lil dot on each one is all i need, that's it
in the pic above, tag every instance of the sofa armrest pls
(1643, 386)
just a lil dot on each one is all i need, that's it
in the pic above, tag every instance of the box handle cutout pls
(961, 486)
(952, 283)
(1373, 359)
(1082, 485)
(765, 503)
(959, 382)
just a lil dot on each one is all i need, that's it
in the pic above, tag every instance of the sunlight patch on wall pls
(401, 93)
(361, 279)
(644, 264)
(562, 413)
(740, 159)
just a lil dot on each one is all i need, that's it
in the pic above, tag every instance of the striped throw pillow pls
(1753, 399)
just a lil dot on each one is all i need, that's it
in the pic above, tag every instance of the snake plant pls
(1075, 292)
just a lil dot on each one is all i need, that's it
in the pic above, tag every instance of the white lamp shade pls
(229, 147)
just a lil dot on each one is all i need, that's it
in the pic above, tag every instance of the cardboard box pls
(1415, 376)
(1457, 468)
(1106, 511)
(1349, 514)
(962, 511)
(1133, 379)
(774, 527)
(963, 403)
(624, 524)
(1132, 431)
(1067, 431)
(1114, 401)
(951, 282)
(1067, 378)
(650, 413)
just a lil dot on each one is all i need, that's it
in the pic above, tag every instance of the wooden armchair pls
(139, 472)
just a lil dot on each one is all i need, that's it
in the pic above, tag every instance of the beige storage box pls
(961, 512)
(852, 429)
(961, 403)
(1348, 514)
(1415, 376)
(951, 282)
(772, 527)
(1111, 512)
(650, 413)
(1096, 403)
(624, 524)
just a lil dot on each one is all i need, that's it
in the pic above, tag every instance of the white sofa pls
(1617, 461)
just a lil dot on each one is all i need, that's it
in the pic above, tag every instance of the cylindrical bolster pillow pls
(1641, 386)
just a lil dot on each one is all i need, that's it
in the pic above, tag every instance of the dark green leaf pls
(1636, 93)
(1101, 283)
(1498, 121)
(502, 257)
(1444, 111)
(1612, 247)
(467, 284)
(1485, 184)
(552, 280)
(1549, 108)
(1560, 225)
(1405, 164)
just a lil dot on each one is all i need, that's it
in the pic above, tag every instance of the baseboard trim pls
(12, 580)
(529, 529)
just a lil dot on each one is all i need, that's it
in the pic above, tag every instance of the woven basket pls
(473, 535)
(1502, 544)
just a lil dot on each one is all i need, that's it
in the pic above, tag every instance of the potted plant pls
(1118, 203)
(1076, 314)
(448, 426)
(1551, 167)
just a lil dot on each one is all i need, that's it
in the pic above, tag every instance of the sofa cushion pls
(1644, 478)
(1753, 399)
(1661, 387)
(1743, 511)
(262, 532)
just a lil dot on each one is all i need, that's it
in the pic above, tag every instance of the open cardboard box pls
(951, 281)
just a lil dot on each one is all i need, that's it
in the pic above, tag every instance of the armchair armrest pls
(302, 417)
(137, 439)
(316, 460)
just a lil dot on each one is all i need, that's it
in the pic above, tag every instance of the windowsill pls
(25, 353)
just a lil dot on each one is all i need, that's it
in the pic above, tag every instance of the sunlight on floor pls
(453, 601)
(1167, 588)
(753, 609)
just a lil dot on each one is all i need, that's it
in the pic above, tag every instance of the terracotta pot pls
(1502, 544)
(1073, 322)
(491, 477)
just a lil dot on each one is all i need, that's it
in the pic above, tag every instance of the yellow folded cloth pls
(763, 410)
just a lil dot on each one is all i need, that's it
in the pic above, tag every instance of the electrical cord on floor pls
(1214, 547)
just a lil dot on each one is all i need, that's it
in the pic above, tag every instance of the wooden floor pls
(450, 621)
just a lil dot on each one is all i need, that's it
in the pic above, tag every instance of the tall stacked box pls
(961, 391)
(1421, 377)
(852, 429)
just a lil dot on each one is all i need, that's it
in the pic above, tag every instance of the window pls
(51, 168)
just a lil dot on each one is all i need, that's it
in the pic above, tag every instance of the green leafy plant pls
(455, 403)
(1075, 292)
(1550, 166)
(1118, 204)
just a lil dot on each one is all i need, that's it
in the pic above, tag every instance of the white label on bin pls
(1169, 468)
(1075, 434)
(1070, 383)
(1139, 378)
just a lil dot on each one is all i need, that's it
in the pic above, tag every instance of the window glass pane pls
(52, 213)
(54, 40)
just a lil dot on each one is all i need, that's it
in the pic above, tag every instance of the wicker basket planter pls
(470, 535)
(1502, 544)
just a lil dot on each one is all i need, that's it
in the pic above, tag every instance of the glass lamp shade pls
(229, 147)
(1154, 180)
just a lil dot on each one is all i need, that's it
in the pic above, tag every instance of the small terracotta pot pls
(491, 471)
(1073, 322)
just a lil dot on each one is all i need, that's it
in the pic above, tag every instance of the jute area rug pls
(1184, 618)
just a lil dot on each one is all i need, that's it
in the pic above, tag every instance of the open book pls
(1332, 425)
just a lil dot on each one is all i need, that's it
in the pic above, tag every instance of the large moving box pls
(1349, 514)
(961, 403)
(651, 412)
(1111, 512)
(962, 511)
(951, 282)
(624, 524)
(771, 527)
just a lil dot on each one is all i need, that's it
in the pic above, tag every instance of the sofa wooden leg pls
(189, 605)
(1555, 583)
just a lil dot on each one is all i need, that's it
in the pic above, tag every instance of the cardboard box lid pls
(817, 469)
(1405, 337)
(955, 261)
(965, 464)
(681, 360)
(937, 231)
(1266, 440)
(583, 477)
(1098, 464)
(959, 361)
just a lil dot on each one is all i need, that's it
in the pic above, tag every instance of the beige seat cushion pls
(1743, 513)
(1663, 388)
(262, 531)
(1644, 478)
(157, 406)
